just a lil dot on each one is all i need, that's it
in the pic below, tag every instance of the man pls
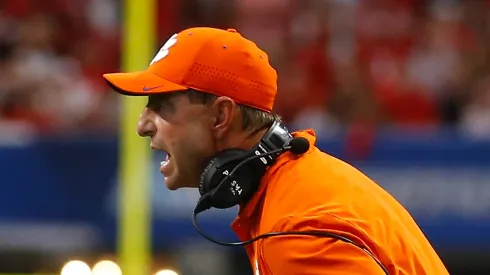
(210, 90)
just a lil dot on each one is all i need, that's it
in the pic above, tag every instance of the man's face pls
(183, 130)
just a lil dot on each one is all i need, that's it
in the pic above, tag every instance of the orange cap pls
(215, 61)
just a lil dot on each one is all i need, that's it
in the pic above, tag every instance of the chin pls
(171, 186)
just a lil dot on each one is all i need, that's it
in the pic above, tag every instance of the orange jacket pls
(316, 191)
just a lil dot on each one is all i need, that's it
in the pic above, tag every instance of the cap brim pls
(141, 83)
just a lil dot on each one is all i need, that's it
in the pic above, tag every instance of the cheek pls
(200, 139)
(166, 135)
(192, 139)
(190, 151)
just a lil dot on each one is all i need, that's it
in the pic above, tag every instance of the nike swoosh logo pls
(146, 89)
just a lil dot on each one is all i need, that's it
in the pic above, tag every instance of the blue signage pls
(444, 181)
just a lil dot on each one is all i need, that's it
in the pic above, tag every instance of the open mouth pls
(165, 162)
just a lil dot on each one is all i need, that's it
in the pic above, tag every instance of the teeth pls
(165, 162)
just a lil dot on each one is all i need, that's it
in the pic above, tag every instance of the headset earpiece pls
(233, 175)
(222, 192)
(218, 168)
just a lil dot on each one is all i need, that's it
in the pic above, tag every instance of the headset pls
(233, 176)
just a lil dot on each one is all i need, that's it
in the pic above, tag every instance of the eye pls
(152, 106)
(157, 102)
(162, 104)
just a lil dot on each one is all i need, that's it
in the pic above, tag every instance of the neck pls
(254, 138)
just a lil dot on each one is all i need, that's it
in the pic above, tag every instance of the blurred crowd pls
(341, 63)
(52, 55)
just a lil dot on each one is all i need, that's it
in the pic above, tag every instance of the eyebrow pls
(161, 101)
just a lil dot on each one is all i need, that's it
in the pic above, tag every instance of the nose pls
(146, 127)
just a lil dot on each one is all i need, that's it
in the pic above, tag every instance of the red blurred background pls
(360, 64)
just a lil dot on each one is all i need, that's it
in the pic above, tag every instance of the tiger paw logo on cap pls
(164, 50)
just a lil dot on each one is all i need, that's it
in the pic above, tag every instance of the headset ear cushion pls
(205, 177)
(218, 167)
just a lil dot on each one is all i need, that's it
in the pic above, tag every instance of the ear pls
(225, 110)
